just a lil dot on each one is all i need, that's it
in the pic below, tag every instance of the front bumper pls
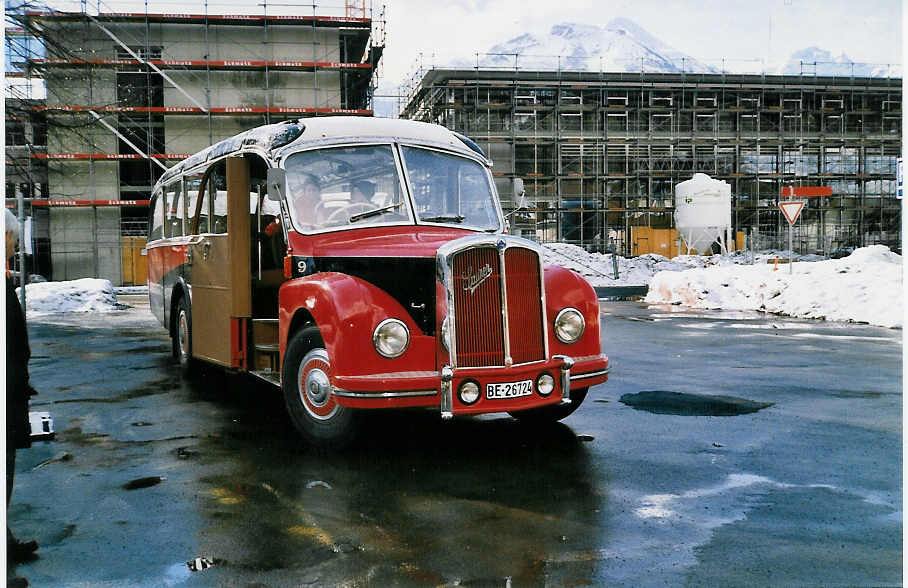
(439, 388)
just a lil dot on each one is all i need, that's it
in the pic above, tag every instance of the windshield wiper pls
(451, 218)
(376, 212)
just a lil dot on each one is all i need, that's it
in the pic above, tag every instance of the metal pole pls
(125, 140)
(23, 275)
(95, 249)
(790, 252)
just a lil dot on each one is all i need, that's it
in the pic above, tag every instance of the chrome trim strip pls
(566, 366)
(501, 367)
(544, 317)
(505, 326)
(591, 374)
(447, 392)
(381, 395)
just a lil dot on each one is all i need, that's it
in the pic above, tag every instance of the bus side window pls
(173, 211)
(191, 185)
(217, 187)
(156, 219)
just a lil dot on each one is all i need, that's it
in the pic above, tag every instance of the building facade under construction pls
(600, 153)
(130, 94)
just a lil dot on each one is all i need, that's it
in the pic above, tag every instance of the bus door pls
(155, 256)
(220, 266)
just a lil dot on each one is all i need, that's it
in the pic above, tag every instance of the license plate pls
(509, 389)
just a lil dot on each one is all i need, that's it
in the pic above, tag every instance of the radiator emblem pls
(472, 281)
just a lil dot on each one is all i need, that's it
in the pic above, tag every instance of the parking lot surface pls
(728, 449)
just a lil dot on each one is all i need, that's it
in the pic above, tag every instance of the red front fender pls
(346, 310)
(564, 288)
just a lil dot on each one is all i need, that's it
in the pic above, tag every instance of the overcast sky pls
(769, 30)
(747, 33)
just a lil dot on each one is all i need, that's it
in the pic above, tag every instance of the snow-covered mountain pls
(621, 45)
(624, 46)
(816, 61)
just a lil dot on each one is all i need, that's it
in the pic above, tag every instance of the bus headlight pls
(569, 325)
(391, 338)
(468, 392)
(545, 383)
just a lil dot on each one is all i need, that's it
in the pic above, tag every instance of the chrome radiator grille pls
(495, 291)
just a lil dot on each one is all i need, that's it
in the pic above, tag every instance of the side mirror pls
(277, 184)
(519, 189)
(520, 195)
(520, 198)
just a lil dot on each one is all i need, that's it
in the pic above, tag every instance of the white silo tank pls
(703, 212)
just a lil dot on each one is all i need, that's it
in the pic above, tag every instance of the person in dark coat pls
(18, 390)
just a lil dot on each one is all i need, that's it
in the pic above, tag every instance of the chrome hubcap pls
(313, 385)
(317, 387)
(183, 334)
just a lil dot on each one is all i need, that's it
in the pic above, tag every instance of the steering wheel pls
(349, 210)
(319, 210)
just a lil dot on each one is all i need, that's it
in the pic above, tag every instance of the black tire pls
(553, 413)
(181, 337)
(308, 395)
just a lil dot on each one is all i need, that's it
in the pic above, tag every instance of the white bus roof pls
(277, 139)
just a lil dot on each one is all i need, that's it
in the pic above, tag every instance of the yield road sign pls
(791, 209)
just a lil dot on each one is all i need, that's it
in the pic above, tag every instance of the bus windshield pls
(359, 186)
(450, 189)
(343, 186)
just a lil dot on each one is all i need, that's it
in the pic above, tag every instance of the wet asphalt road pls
(806, 491)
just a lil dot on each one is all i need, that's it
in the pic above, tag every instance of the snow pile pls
(85, 295)
(864, 287)
(598, 268)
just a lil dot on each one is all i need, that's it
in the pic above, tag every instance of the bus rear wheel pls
(181, 336)
(310, 400)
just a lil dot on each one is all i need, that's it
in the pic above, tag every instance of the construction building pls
(600, 152)
(129, 94)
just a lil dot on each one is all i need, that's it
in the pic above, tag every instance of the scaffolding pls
(600, 152)
(129, 94)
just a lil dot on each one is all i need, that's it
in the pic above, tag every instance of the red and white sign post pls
(792, 210)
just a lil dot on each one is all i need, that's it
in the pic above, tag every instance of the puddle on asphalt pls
(161, 386)
(687, 404)
(146, 482)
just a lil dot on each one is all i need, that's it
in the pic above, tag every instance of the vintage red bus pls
(363, 264)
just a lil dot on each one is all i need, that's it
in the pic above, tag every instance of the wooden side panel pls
(211, 299)
(239, 230)
(220, 270)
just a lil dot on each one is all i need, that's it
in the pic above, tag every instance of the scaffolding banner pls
(201, 63)
(39, 202)
(105, 156)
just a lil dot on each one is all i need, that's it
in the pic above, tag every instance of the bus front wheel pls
(310, 400)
